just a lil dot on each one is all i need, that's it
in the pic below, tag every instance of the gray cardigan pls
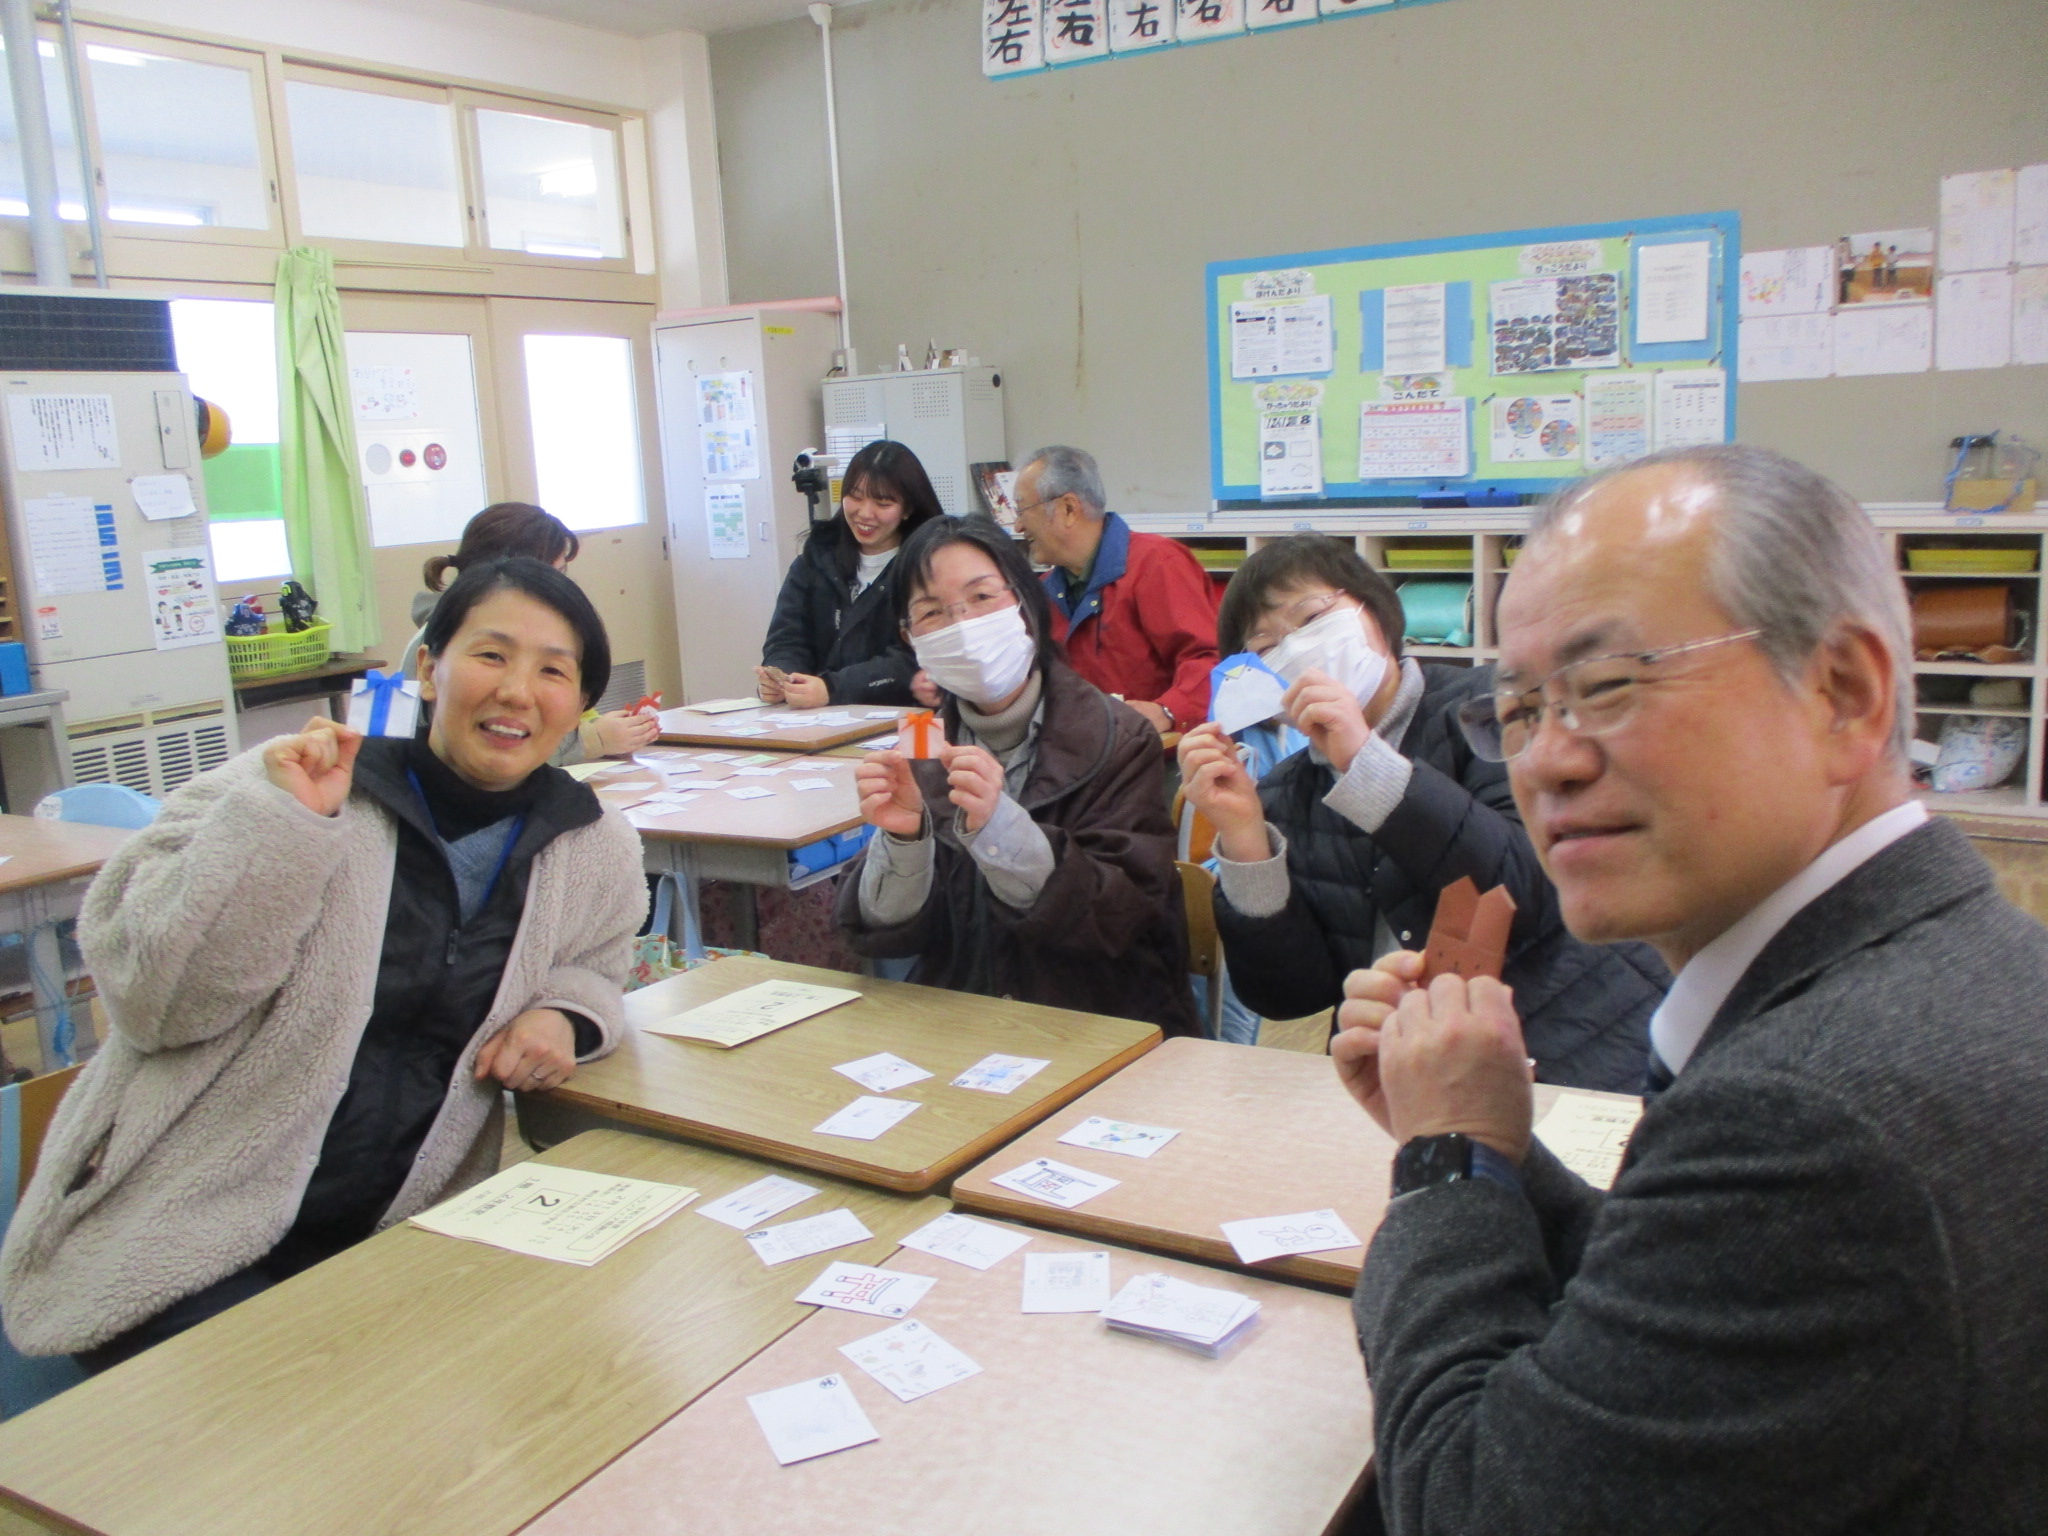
(1816, 1299)
(236, 942)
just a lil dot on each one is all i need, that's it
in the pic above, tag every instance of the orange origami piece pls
(651, 704)
(920, 735)
(1470, 935)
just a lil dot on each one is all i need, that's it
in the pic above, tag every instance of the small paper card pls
(910, 1360)
(383, 705)
(1244, 692)
(879, 714)
(866, 1118)
(747, 730)
(1198, 1316)
(966, 1241)
(1055, 1183)
(879, 743)
(810, 783)
(1066, 1282)
(717, 707)
(1272, 1237)
(882, 1072)
(813, 1234)
(568, 1214)
(1588, 1133)
(1100, 1135)
(752, 1012)
(863, 1288)
(1000, 1074)
(756, 773)
(755, 760)
(812, 1418)
(750, 792)
(715, 757)
(754, 1203)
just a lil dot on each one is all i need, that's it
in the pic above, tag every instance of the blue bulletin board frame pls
(1353, 346)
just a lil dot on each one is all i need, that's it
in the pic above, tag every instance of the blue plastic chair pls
(101, 805)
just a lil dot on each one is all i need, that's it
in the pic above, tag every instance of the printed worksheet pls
(966, 1241)
(882, 1072)
(1055, 1183)
(813, 1234)
(910, 1360)
(1000, 1074)
(1272, 1237)
(567, 1214)
(866, 1118)
(754, 1203)
(1589, 1133)
(863, 1288)
(1100, 1135)
(812, 1418)
(1066, 1282)
(753, 1011)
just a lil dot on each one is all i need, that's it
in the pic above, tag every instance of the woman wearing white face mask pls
(1034, 858)
(1337, 856)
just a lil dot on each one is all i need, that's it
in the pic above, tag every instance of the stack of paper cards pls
(756, 1202)
(751, 1012)
(910, 1360)
(1000, 1074)
(1197, 1317)
(863, 1288)
(717, 707)
(556, 1213)
(1066, 1282)
(1272, 1237)
(802, 784)
(882, 1072)
(813, 1234)
(879, 743)
(812, 1418)
(1588, 1133)
(966, 1241)
(1055, 1183)
(866, 1118)
(1100, 1135)
(879, 714)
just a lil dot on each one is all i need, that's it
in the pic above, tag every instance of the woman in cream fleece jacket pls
(323, 962)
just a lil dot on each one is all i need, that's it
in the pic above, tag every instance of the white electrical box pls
(949, 417)
(113, 572)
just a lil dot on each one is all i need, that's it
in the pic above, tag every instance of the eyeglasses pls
(1588, 698)
(929, 615)
(1284, 620)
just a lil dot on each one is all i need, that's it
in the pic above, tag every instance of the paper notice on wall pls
(1075, 30)
(2030, 216)
(1535, 429)
(1871, 339)
(63, 432)
(1672, 283)
(725, 521)
(384, 392)
(1884, 266)
(2030, 315)
(730, 453)
(1414, 439)
(1290, 439)
(1977, 220)
(72, 545)
(1010, 37)
(162, 497)
(1692, 407)
(1795, 282)
(1618, 416)
(182, 610)
(1291, 336)
(1135, 25)
(1973, 321)
(1414, 321)
(1786, 347)
(725, 399)
(1540, 324)
(1199, 20)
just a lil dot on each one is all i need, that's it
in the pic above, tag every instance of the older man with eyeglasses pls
(1816, 1298)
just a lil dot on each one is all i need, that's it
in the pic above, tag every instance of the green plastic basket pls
(277, 653)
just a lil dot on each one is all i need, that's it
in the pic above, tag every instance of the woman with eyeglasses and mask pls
(1337, 855)
(1033, 859)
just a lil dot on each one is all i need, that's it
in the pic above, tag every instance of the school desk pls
(419, 1383)
(1262, 1133)
(42, 882)
(730, 729)
(764, 1097)
(1069, 1429)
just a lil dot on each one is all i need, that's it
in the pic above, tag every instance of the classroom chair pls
(101, 805)
(1197, 834)
(1205, 946)
(25, 1113)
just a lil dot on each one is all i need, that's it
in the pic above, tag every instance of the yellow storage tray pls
(1429, 557)
(1976, 561)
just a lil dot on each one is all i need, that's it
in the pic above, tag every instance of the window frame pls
(469, 102)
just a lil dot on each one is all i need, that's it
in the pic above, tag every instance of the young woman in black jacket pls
(834, 637)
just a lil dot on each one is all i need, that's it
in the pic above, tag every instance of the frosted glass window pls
(375, 167)
(70, 176)
(586, 429)
(178, 141)
(551, 188)
(227, 348)
(250, 549)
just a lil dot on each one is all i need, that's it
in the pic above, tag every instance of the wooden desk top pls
(763, 1097)
(40, 852)
(784, 818)
(1069, 1430)
(1262, 1133)
(343, 664)
(421, 1384)
(725, 730)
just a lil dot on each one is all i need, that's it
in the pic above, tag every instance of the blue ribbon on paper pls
(382, 688)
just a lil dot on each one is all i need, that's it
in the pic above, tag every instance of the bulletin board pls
(1499, 365)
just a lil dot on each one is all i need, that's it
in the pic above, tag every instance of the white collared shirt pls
(1703, 984)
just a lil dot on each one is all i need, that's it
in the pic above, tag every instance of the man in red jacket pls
(1135, 612)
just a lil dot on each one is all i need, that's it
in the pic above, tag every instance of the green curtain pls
(326, 521)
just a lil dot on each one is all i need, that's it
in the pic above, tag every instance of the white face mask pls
(1333, 644)
(982, 660)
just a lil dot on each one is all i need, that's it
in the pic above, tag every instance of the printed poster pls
(1535, 429)
(1544, 324)
(384, 392)
(182, 609)
(730, 453)
(1414, 439)
(1290, 439)
(1617, 418)
(63, 432)
(1269, 339)
(725, 521)
(1692, 407)
(1885, 266)
(725, 399)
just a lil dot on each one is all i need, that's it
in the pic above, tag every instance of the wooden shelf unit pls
(1493, 531)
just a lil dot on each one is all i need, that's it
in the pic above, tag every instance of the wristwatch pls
(1427, 1160)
